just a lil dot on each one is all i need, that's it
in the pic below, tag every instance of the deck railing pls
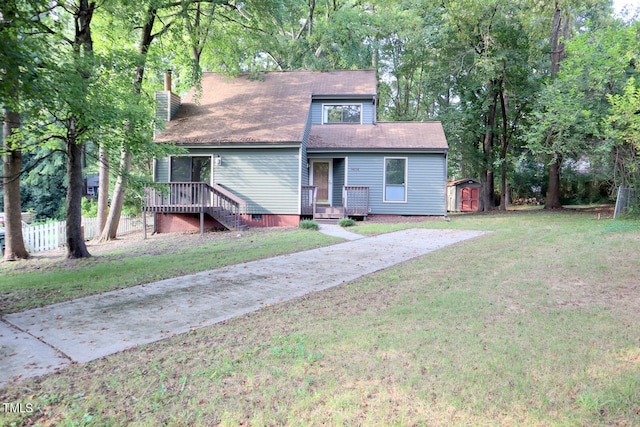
(177, 197)
(196, 197)
(308, 200)
(355, 199)
(227, 207)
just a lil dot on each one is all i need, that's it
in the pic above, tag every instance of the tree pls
(18, 68)
(12, 164)
(146, 38)
(623, 126)
(83, 63)
(572, 108)
(489, 51)
(560, 112)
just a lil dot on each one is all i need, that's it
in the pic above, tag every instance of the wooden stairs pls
(228, 219)
(328, 213)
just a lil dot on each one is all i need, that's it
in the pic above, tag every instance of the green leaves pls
(624, 117)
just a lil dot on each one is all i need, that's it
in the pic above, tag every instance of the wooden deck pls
(197, 197)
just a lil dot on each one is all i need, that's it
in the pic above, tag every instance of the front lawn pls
(50, 278)
(536, 323)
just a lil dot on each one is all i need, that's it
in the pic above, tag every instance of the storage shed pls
(462, 195)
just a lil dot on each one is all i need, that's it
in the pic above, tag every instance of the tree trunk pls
(504, 200)
(487, 188)
(83, 46)
(76, 247)
(103, 190)
(560, 29)
(12, 164)
(553, 192)
(111, 227)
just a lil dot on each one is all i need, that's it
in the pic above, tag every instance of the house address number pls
(355, 169)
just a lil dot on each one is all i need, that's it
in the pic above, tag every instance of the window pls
(395, 179)
(341, 113)
(191, 169)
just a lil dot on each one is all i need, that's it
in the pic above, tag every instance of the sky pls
(619, 4)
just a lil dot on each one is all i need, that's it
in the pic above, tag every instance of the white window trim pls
(211, 174)
(337, 104)
(330, 161)
(384, 180)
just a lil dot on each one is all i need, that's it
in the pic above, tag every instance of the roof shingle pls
(382, 135)
(272, 108)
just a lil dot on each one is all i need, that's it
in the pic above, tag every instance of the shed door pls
(469, 199)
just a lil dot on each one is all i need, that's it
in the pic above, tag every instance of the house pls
(463, 195)
(271, 148)
(93, 181)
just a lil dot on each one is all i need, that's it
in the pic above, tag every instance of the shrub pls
(309, 224)
(89, 208)
(346, 222)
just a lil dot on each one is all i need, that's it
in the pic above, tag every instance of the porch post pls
(144, 224)
(202, 223)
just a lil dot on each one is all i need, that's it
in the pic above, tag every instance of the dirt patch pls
(600, 211)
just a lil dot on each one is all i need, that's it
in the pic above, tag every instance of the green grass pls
(536, 323)
(62, 281)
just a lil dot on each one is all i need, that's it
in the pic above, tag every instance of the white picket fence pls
(52, 235)
(38, 238)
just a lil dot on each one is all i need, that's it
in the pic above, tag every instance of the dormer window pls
(341, 113)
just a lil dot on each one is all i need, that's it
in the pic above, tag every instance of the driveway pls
(42, 340)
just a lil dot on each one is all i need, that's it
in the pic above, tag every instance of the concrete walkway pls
(42, 340)
(337, 231)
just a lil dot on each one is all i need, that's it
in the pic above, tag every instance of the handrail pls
(229, 195)
(230, 205)
(189, 197)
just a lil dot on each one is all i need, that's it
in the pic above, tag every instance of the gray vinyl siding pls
(266, 178)
(162, 106)
(368, 109)
(304, 161)
(161, 173)
(167, 105)
(338, 181)
(426, 182)
(175, 104)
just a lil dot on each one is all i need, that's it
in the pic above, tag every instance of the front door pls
(321, 178)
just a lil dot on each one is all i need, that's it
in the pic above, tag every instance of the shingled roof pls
(382, 135)
(268, 108)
